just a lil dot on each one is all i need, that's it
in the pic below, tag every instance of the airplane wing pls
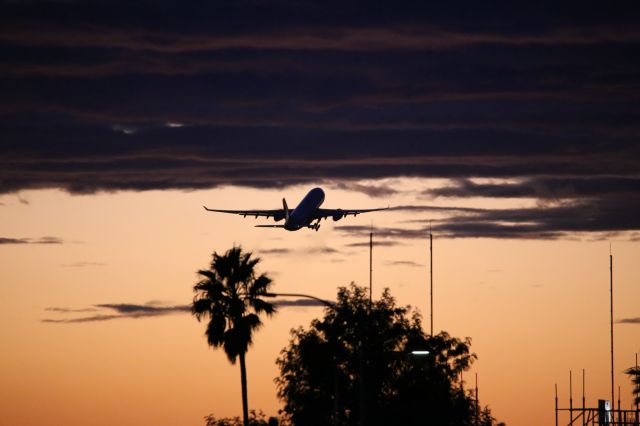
(277, 214)
(338, 214)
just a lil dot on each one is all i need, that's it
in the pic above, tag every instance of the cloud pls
(41, 240)
(629, 321)
(609, 216)
(4, 240)
(281, 251)
(276, 251)
(404, 263)
(269, 96)
(375, 242)
(370, 190)
(118, 311)
(83, 264)
(543, 188)
(303, 302)
(115, 311)
(47, 240)
(70, 310)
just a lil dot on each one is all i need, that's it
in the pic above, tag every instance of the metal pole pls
(570, 398)
(611, 317)
(370, 269)
(431, 274)
(583, 405)
(477, 403)
(556, 404)
(618, 403)
(362, 355)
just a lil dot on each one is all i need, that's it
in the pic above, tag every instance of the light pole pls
(308, 296)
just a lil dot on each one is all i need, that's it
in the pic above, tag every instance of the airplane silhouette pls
(302, 216)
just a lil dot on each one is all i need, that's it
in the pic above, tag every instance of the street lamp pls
(308, 296)
(419, 353)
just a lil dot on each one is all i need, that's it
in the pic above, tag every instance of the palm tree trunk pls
(243, 379)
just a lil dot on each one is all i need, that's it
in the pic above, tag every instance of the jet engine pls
(338, 215)
(278, 217)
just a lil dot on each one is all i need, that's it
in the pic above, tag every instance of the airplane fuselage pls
(307, 213)
(302, 215)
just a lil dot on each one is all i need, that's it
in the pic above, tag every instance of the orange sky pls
(534, 309)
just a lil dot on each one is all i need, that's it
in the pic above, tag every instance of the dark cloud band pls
(113, 311)
(173, 97)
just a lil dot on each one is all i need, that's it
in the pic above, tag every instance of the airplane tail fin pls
(286, 210)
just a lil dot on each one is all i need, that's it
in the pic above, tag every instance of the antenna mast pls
(611, 311)
(371, 267)
(431, 274)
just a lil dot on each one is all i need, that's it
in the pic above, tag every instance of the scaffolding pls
(598, 417)
(604, 415)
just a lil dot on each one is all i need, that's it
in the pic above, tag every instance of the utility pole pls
(431, 274)
(370, 268)
(611, 317)
(477, 403)
(583, 401)
(570, 396)
(556, 394)
(362, 395)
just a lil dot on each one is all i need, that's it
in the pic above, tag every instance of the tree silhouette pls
(321, 369)
(256, 418)
(228, 296)
(634, 376)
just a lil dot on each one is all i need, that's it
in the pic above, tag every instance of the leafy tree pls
(228, 295)
(634, 376)
(255, 419)
(322, 368)
(486, 419)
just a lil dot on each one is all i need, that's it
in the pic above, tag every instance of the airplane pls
(302, 216)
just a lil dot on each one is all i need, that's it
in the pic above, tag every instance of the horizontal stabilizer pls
(269, 226)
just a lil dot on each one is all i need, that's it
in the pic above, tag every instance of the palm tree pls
(634, 375)
(228, 296)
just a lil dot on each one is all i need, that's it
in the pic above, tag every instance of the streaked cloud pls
(112, 311)
(291, 95)
(302, 251)
(116, 311)
(302, 302)
(41, 240)
(83, 264)
(380, 190)
(384, 243)
(70, 310)
(607, 217)
(542, 188)
(629, 321)
(275, 251)
(404, 263)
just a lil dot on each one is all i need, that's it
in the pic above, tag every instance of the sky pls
(510, 130)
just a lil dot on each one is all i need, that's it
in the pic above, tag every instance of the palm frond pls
(234, 344)
(209, 274)
(251, 322)
(216, 330)
(260, 285)
(201, 308)
(261, 306)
